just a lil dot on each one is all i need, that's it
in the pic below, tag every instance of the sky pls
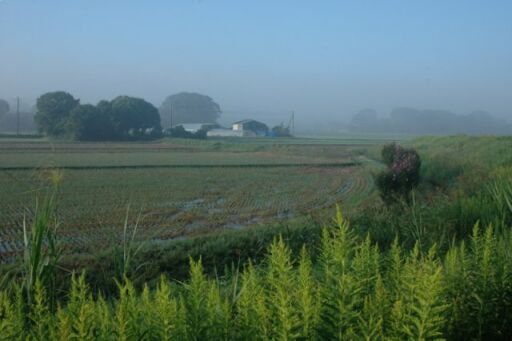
(325, 60)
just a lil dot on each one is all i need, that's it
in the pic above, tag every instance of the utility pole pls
(171, 109)
(17, 116)
(293, 122)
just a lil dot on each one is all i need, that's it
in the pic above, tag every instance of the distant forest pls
(420, 122)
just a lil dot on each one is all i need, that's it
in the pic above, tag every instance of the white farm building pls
(244, 128)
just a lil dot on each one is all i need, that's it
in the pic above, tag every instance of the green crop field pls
(223, 203)
(174, 188)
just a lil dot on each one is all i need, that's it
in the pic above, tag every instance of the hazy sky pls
(319, 58)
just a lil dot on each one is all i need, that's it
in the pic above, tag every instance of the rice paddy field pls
(174, 189)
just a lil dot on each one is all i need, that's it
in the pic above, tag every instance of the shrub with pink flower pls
(402, 173)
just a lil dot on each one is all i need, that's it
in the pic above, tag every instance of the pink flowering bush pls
(402, 173)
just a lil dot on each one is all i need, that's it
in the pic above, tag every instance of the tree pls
(189, 108)
(180, 132)
(281, 131)
(53, 112)
(88, 122)
(256, 127)
(105, 107)
(364, 121)
(4, 107)
(133, 116)
(402, 173)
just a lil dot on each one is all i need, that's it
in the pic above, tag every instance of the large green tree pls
(186, 107)
(53, 112)
(133, 116)
(4, 107)
(88, 122)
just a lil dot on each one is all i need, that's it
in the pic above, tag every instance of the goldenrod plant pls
(354, 291)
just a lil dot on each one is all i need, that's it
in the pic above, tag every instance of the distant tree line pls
(59, 114)
(415, 121)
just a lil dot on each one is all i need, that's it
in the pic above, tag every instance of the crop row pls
(92, 204)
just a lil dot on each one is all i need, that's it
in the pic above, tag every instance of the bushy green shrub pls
(281, 131)
(180, 132)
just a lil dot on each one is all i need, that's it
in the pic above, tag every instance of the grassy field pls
(245, 234)
(38, 154)
(176, 188)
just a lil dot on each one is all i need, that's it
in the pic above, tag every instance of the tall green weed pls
(355, 291)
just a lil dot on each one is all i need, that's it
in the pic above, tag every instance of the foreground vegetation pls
(433, 264)
(354, 292)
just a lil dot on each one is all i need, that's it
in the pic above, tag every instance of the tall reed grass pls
(41, 252)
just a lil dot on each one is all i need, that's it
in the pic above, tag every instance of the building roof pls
(244, 121)
(193, 124)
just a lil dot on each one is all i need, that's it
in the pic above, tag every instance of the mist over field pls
(255, 170)
(263, 60)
